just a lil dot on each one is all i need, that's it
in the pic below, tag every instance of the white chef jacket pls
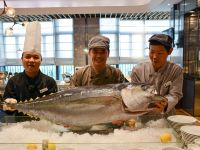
(168, 80)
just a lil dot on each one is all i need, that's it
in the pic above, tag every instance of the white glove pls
(9, 102)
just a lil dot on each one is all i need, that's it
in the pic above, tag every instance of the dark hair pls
(167, 48)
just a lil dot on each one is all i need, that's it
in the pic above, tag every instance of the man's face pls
(31, 61)
(158, 55)
(99, 56)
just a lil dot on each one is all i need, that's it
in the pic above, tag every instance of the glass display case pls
(191, 63)
(191, 60)
(145, 135)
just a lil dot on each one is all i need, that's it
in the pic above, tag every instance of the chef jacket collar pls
(36, 80)
(161, 70)
(103, 73)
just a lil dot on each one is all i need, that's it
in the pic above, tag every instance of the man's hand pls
(160, 106)
(9, 103)
(118, 122)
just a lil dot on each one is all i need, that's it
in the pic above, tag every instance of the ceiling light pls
(85, 50)
(24, 24)
(9, 11)
(9, 31)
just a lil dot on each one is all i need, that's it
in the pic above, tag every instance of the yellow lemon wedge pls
(165, 137)
(51, 146)
(31, 147)
(131, 123)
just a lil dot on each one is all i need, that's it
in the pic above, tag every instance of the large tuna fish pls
(86, 106)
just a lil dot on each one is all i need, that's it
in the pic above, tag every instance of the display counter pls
(146, 135)
(191, 95)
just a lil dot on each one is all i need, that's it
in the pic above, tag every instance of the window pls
(132, 26)
(14, 69)
(13, 45)
(47, 48)
(56, 46)
(124, 45)
(108, 28)
(137, 46)
(64, 46)
(64, 38)
(69, 69)
(47, 27)
(64, 25)
(129, 39)
(49, 70)
(128, 43)
(108, 25)
(113, 45)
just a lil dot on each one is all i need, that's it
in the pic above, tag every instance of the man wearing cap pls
(32, 82)
(165, 76)
(98, 72)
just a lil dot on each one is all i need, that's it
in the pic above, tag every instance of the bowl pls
(176, 121)
(172, 148)
(193, 147)
(136, 149)
(197, 141)
(189, 133)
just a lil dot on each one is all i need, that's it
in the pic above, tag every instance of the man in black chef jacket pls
(31, 83)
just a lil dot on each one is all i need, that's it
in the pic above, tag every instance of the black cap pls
(163, 39)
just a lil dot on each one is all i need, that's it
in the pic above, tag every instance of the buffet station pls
(84, 118)
(148, 132)
(81, 118)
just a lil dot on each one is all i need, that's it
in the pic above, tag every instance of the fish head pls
(137, 97)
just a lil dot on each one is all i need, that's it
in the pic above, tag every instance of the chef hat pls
(99, 41)
(163, 39)
(32, 41)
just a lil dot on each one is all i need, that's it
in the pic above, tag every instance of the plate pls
(172, 148)
(136, 149)
(191, 129)
(197, 141)
(182, 119)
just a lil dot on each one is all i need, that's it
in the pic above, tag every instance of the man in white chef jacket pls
(165, 76)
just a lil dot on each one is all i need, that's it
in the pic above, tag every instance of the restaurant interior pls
(67, 26)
